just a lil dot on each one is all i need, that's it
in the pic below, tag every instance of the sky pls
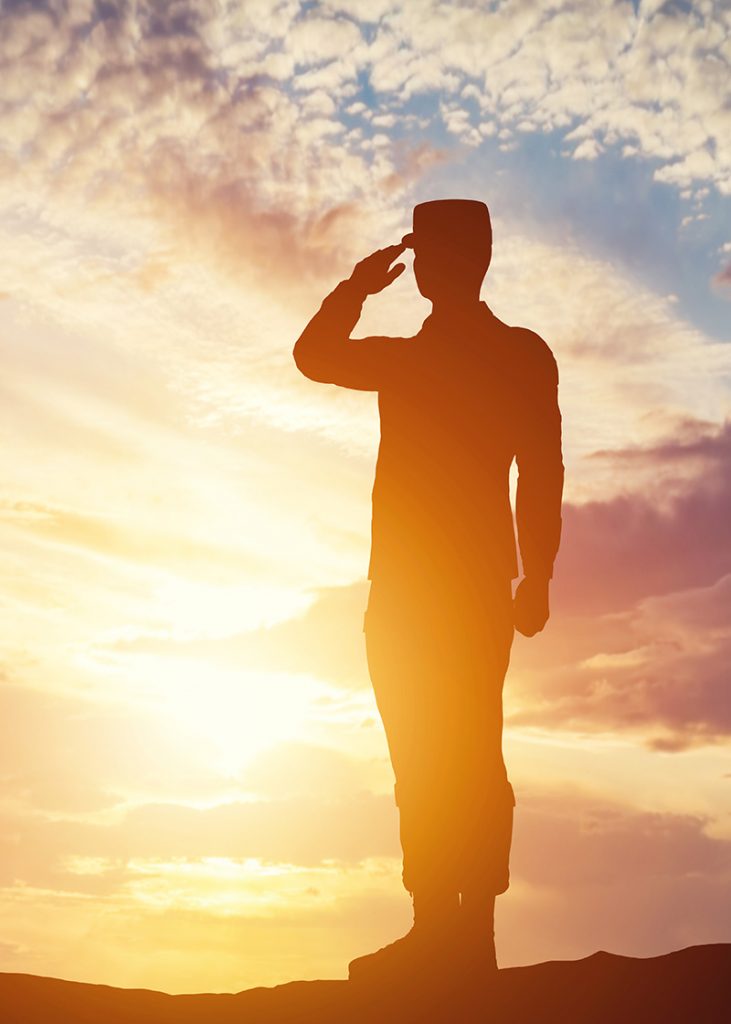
(195, 791)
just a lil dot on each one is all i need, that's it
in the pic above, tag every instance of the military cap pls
(458, 225)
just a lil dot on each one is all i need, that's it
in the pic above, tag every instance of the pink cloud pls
(722, 280)
(658, 670)
(614, 553)
(602, 875)
(640, 638)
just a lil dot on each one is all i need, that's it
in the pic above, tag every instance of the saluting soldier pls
(458, 402)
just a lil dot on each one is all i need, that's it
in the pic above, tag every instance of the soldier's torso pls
(449, 426)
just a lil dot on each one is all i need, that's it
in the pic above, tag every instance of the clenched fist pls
(372, 274)
(530, 606)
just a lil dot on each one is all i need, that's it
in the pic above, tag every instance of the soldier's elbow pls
(308, 364)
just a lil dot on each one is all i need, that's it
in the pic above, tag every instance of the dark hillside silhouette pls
(692, 986)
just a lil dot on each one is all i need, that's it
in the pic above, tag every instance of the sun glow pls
(197, 609)
(239, 713)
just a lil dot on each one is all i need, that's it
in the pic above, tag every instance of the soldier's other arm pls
(325, 351)
(540, 483)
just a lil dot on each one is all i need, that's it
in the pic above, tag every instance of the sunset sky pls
(195, 789)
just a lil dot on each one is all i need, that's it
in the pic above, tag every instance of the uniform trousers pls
(437, 657)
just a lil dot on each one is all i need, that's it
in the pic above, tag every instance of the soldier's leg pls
(437, 676)
(405, 670)
(401, 685)
(487, 797)
(485, 654)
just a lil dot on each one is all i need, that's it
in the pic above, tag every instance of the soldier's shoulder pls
(532, 351)
(530, 342)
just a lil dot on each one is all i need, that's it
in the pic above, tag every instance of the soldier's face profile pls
(443, 273)
(426, 272)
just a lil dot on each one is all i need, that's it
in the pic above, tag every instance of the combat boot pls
(419, 958)
(477, 962)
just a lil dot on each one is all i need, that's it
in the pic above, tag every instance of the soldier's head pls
(452, 243)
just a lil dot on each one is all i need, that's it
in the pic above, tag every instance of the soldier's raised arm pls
(540, 482)
(326, 352)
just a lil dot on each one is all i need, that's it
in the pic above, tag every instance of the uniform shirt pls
(458, 402)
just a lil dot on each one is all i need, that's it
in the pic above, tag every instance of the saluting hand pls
(530, 606)
(373, 274)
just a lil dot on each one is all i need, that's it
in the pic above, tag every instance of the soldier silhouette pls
(458, 402)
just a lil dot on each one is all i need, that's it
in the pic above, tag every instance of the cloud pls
(722, 280)
(657, 672)
(212, 119)
(325, 641)
(668, 535)
(315, 40)
(587, 873)
(305, 831)
(639, 637)
(594, 874)
(569, 65)
(299, 769)
(185, 930)
(411, 162)
(174, 112)
(182, 155)
(71, 755)
(121, 540)
(564, 839)
(573, 838)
